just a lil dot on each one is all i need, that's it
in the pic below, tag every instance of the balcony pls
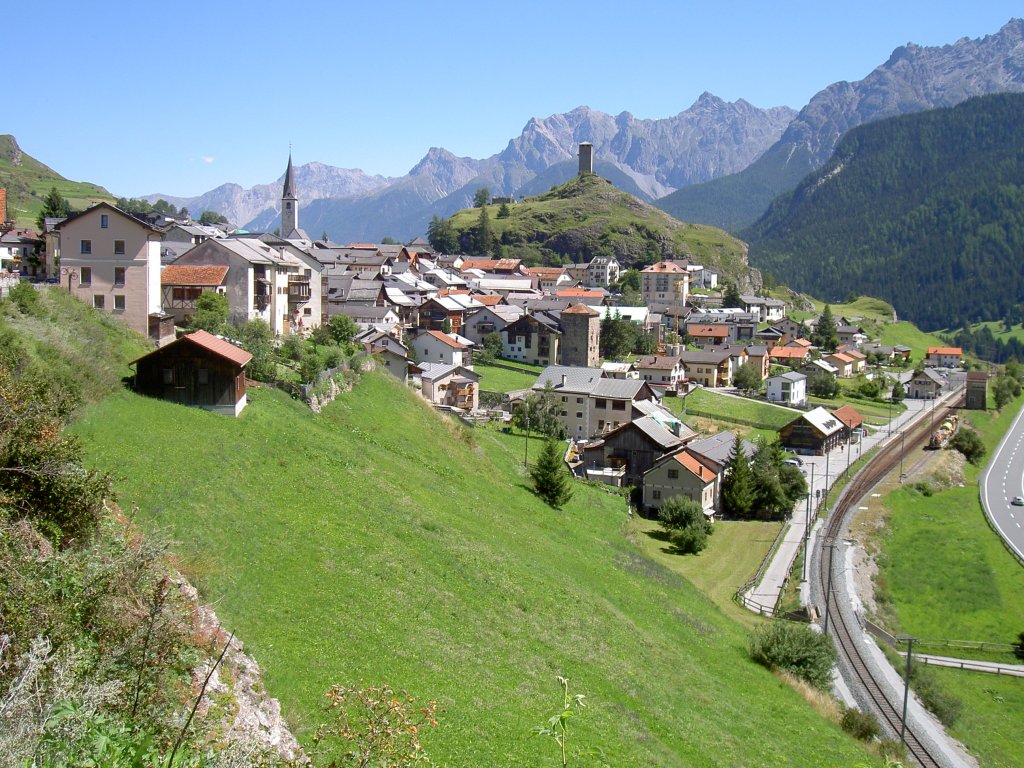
(298, 290)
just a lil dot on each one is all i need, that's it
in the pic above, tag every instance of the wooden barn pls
(813, 433)
(199, 370)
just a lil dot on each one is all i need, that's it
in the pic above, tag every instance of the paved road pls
(1004, 479)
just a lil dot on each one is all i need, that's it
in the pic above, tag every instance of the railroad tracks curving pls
(839, 621)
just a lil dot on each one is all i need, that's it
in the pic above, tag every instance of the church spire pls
(289, 180)
(289, 204)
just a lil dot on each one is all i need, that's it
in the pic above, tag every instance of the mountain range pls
(925, 211)
(914, 79)
(648, 158)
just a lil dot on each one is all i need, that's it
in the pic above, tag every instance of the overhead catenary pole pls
(830, 543)
(906, 690)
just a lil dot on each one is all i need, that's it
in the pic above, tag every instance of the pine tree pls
(54, 206)
(731, 296)
(550, 481)
(825, 335)
(738, 491)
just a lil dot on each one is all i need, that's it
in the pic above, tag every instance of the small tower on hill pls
(289, 204)
(581, 336)
(586, 158)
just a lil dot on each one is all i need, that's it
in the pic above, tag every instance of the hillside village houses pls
(423, 314)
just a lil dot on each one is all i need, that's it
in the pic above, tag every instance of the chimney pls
(586, 157)
(565, 380)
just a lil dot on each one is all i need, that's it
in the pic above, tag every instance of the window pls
(97, 300)
(119, 276)
(600, 403)
(673, 474)
(579, 401)
(168, 374)
(656, 495)
(86, 278)
(104, 221)
(86, 246)
(203, 375)
(579, 415)
(119, 247)
(618, 405)
(307, 311)
(119, 303)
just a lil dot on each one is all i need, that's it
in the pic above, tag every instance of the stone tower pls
(581, 336)
(586, 157)
(289, 204)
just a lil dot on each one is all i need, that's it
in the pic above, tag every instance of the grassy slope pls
(728, 409)
(948, 576)
(28, 181)
(909, 335)
(346, 548)
(498, 379)
(590, 210)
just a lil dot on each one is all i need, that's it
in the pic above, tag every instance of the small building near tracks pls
(976, 391)
(813, 433)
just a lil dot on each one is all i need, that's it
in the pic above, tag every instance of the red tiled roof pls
(789, 352)
(849, 416)
(841, 357)
(183, 274)
(445, 338)
(546, 273)
(488, 299)
(665, 266)
(580, 309)
(945, 351)
(490, 265)
(800, 343)
(703, 474)
(219, 347)
(708, 330)
(583, 293)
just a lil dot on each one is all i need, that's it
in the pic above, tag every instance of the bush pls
(969, 443)
(795, 648)
(938, 701)
(26, 298)
(1018, 647)
(860, 725)
(688, 528)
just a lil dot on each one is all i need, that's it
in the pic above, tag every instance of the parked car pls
(795, 461)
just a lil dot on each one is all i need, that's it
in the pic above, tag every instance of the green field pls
(909, 335)
(500, 379)
(733, 555)
(348, 548)
(945, 575)
(729, 410)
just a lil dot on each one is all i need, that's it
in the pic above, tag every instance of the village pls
(424, 315)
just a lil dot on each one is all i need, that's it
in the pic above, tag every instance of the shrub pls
(687, 526)
(26, 298)
(939, 702)
(969, 443)
(795, 648)
(1018, 647)
(860, 725)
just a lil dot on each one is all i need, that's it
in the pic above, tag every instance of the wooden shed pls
(199, 370)
(813, 433)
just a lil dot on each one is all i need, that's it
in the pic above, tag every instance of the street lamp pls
(526, 447)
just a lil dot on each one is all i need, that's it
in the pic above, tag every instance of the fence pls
(740, 595)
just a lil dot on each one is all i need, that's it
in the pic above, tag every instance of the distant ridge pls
(915, 78)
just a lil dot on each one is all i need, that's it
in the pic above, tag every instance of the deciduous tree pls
(687, 526)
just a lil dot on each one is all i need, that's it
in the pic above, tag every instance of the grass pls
(998, 330)
(873, 413)
(990, 705)
(497, 379)
(380, 542)
(944, 574)
(732, 410)
(909, 335)
(733, 555)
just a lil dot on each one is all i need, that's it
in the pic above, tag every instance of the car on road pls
(1018, 501)
(793, 461)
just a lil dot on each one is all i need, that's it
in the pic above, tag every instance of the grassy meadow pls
(728, 410)
(380, 542)
(945, 574)
(500, 379)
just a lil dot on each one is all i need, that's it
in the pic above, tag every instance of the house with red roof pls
(943, 357)
(199, 369)
(443, 348)
(182, 284)
(704, 334)
(679, 474)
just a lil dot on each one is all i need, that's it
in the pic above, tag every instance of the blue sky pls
(180, 97)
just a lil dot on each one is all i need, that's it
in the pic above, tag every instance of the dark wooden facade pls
(190, 372)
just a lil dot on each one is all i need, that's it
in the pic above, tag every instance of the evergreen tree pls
(550, 480)
(825, 335)
(211, 312)
(484, 245)
(54, 207)
(731, 296)
(504, 211)
(738, 491)
(442, 236)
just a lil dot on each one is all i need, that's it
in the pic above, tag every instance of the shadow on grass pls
(663, 536)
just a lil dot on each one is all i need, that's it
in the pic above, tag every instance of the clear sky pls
(182, 96)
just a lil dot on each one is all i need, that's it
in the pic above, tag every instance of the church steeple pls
(289, 204)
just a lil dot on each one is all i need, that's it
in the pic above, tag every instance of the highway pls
(1003, 479)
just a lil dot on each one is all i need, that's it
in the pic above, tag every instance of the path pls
(991, 667)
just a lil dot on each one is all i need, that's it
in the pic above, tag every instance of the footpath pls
(822, 473)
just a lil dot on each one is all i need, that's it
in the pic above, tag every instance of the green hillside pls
(925, 211)
(27, 181)
(348, 548)
(588, 217)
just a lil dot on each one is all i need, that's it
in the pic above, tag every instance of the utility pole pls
(807, 529)
(906, 689)
(903, 441)
(526, 448)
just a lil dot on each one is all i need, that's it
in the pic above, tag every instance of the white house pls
(789, 388)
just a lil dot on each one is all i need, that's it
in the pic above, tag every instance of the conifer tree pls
(550, 481)
(738, 491)
(731, 296)
(825, 335)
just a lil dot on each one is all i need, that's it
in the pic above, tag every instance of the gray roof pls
(822, 420)
(789, 376)
(617, 389)
(706, 356)
(655, 431)
(582, 380)
(718, 447)
(933, 375)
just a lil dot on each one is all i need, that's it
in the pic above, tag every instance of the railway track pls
(839, 623)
